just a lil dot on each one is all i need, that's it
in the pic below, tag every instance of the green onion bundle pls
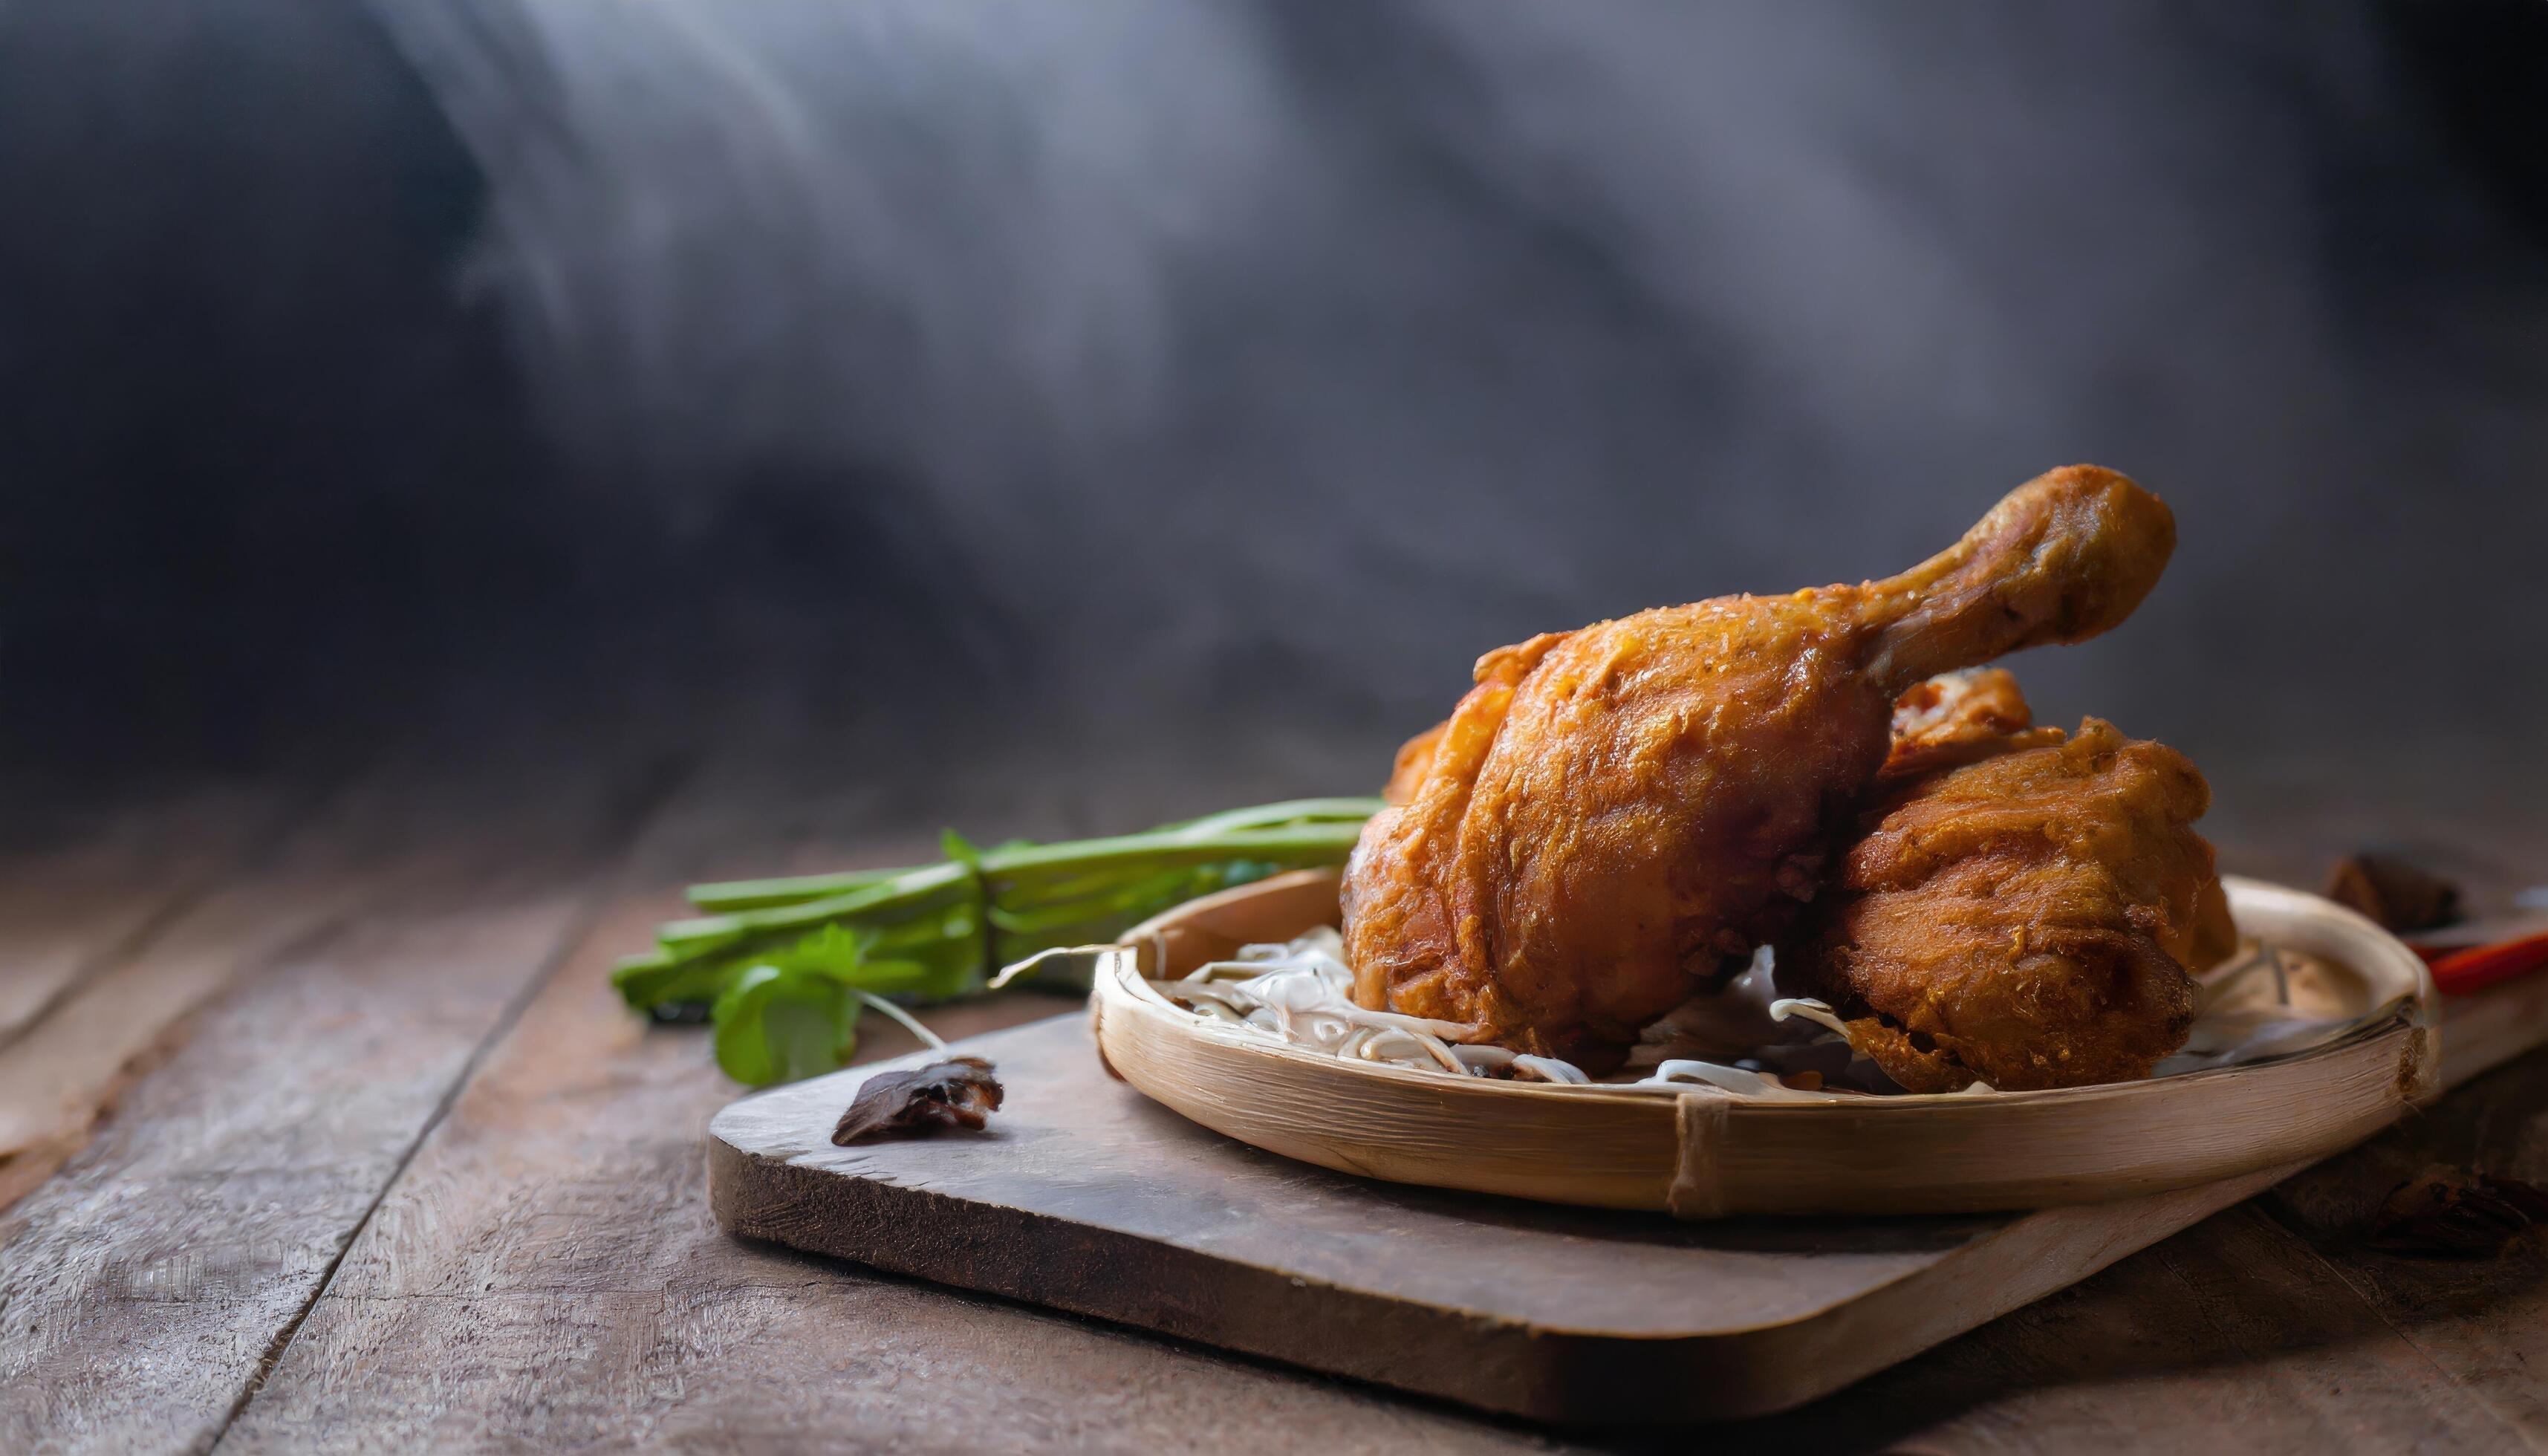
(783, 965)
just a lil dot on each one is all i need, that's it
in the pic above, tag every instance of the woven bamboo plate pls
(1707, 1154)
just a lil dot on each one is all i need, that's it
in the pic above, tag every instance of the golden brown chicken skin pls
(1614, 813)
(1414, 761)
(1965, 717)
(1957, 719)
(2025, 920)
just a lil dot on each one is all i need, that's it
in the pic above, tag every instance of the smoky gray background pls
(1201, 381)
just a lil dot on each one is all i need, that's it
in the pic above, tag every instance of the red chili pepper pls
(2474, 970)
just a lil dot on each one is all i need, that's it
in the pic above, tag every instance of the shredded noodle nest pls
(1300, 995)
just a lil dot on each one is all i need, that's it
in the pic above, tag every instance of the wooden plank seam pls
(608, 887)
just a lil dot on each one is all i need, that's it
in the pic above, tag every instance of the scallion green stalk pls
(783, 962)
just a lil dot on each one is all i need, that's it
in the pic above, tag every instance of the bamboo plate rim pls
(1703, 1151)
(2411, 981)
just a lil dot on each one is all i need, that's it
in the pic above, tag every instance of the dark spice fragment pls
(960, 1092)
(2395, 894)
(2446, 1211)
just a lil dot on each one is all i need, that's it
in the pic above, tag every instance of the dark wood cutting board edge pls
(1087, 1197)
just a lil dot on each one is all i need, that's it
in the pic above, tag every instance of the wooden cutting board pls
(1086, 1195)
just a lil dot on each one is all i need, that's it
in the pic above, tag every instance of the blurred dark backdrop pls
(1219, 379)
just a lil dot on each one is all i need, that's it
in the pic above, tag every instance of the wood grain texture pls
(546, 1274)
(1085, 1196)
(2485, 1321)
(2222, 1338)
(2268, 1327)
(66, 1070)
(533, 1291)
(142, 1289)
(75, 899)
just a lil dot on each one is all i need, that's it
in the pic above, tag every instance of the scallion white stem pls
(910, 1023)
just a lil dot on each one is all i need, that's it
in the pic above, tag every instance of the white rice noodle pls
(1301, 995)
(1817, 1012)
(1735, 1080)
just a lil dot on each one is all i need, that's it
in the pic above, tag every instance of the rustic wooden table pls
(324, 1130)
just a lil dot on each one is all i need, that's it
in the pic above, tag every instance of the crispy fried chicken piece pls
(1614, 813)
(2214, 938)
(2025, 919)
(1965, 717)
(1957, 719)
(1414, 761)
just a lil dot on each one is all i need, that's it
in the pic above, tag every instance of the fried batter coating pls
(1965, 717)
(1957, 719)
(2025, 920)
(1614, 813)
(1414, 761)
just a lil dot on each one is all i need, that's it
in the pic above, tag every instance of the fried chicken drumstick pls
(1614, 813)
(2018, 909)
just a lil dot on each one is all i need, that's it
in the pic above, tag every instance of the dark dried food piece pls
(960, 1092)
(2443, 1211)
(2395, 894)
